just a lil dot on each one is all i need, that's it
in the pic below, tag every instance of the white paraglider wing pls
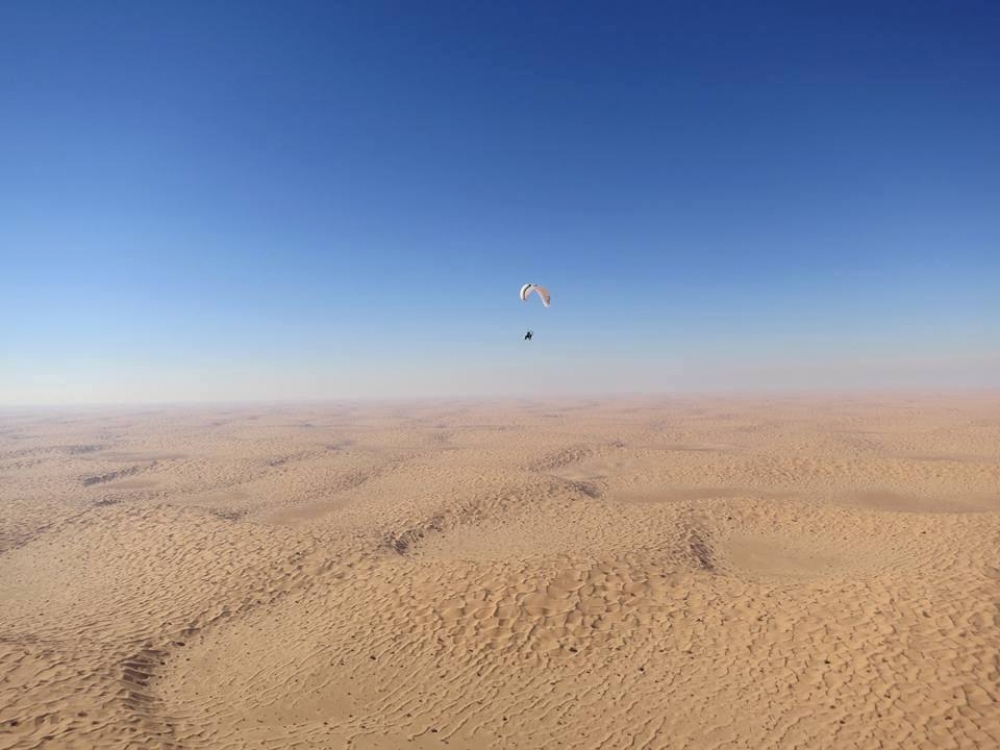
(541, 291)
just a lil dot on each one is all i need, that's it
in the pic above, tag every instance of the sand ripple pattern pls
(641, 574)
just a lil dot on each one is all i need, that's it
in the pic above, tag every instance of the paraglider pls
(542, 293)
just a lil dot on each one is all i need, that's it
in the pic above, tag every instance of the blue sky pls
(204, 201)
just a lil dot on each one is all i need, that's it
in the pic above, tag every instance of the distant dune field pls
(691, 573)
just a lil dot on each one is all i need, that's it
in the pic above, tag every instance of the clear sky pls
(239, 200)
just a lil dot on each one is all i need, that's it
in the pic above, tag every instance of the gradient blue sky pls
(207, 200)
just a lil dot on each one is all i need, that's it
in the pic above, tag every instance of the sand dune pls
(726, 573)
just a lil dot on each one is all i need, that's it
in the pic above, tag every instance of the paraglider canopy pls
(541, 291)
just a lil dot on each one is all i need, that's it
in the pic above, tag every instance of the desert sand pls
(796, 572)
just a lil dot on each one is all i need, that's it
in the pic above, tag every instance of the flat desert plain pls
(788, 572)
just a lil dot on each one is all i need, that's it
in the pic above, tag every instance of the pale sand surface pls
(694, 573)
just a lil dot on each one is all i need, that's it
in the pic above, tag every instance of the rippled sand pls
(797, 572)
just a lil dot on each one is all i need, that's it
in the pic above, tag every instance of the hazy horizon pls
(266, 203)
